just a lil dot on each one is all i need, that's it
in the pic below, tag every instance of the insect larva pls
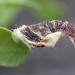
(46, 34)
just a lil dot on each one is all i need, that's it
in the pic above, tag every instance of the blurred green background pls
(43, 10)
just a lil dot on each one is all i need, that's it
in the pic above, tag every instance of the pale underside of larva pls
(46, 34)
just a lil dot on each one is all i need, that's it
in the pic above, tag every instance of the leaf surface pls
(11, 53)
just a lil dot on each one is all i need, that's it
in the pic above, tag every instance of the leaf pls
(11, 53)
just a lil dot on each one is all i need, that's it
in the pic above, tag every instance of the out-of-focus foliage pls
(49, 10)
(12, 53)
(44, 9)
(7, 12)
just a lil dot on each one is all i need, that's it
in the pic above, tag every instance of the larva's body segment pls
(46, 34)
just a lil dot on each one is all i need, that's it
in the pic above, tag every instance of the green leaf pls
(11, 53)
